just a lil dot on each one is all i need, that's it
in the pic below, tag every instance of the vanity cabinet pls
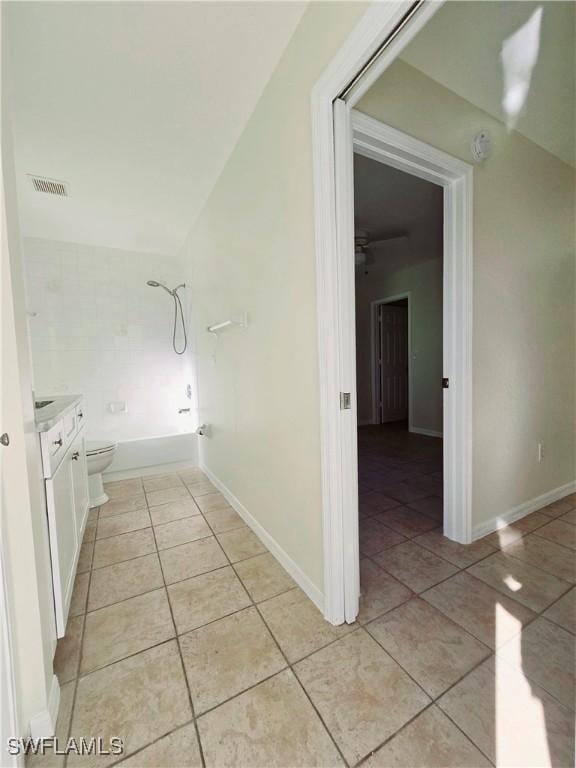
(66, 485)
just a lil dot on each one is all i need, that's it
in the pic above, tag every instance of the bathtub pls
(180, 449)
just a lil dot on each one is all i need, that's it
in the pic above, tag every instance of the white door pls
(80, 484)
(392, 368)
(63, 537)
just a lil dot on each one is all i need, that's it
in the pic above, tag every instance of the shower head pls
(156, 284)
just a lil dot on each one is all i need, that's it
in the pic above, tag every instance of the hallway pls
(191, 643)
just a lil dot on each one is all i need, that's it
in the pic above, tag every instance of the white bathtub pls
(154, 452)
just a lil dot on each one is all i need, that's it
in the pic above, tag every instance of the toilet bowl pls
(99, 456)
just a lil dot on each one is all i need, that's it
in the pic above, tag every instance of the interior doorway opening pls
(399, 275)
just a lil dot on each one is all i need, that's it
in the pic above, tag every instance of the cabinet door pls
(80, 484)
(63, 538)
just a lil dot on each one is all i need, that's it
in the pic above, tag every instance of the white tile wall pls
(98, 329)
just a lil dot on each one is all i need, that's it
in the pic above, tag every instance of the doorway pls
(399, 276)
(390, 338)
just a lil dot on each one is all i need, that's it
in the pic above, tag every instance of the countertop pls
(50, 415)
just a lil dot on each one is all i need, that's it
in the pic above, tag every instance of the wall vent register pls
(49, 186)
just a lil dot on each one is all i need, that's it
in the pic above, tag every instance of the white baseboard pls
(427, 432)
(283, 558)
(43, 724)
(526, 508)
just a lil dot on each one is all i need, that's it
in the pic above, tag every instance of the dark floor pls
(399, 482)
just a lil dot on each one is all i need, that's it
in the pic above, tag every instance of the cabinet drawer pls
(55, 442)
(80, 416)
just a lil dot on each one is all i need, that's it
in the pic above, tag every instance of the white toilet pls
(99, 456)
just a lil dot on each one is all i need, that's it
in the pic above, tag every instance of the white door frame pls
(390, 27)
(373, 353)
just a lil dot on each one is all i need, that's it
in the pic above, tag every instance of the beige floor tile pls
(206, 598)
(122, 505)
(85, 557)
(563, 612)
(507, 535)
(270, 726)
(90, 530)
(211, 501)
(429, 741)
(123, 580)
(379, 592)
(430, 647)
(119, 489)
(155, 498)
(120, 630)
(225, 519)
(79, 595)
(228, 656)
(530, 586)
(569, 517)
(93, 515)
(544, 554)
(241, 544)
(361, 693)
(485, 613)
(264, 577)
(129, 521)
(414, 566)
(192, 559)
(559, 507)
(512, 721)
(50, 759)
(544, 652)
(174, 510)
(192, 475)
(461, 555)
(161, 482)
(201, 488)
(127, 546)
(180, 531)
(298, 625)
(559, 532)
(177, 750)
(407, 521)
(67, 654)
(138, 699)
(375, 537)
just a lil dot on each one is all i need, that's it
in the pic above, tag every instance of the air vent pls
(49, 186)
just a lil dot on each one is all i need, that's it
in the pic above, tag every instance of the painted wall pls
(98, 329)
(252, 249)
(411, 265)
(524, 322)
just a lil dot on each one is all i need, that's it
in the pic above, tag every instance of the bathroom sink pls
(42, 403)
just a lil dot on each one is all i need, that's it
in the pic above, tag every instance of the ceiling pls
(137, 105)
(389, 202)
(460, 48)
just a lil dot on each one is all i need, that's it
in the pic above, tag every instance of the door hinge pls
(345, 401)
(445, 383)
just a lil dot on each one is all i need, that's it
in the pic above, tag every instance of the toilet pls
(99, 456)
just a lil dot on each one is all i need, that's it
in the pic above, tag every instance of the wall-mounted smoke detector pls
(49, 186)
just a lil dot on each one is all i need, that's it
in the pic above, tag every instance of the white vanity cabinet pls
(66, 484)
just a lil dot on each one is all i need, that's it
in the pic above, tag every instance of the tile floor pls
(189, 641)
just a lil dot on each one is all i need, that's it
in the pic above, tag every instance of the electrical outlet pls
(540, 452)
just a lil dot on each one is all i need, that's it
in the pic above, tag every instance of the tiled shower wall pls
(98, 329)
